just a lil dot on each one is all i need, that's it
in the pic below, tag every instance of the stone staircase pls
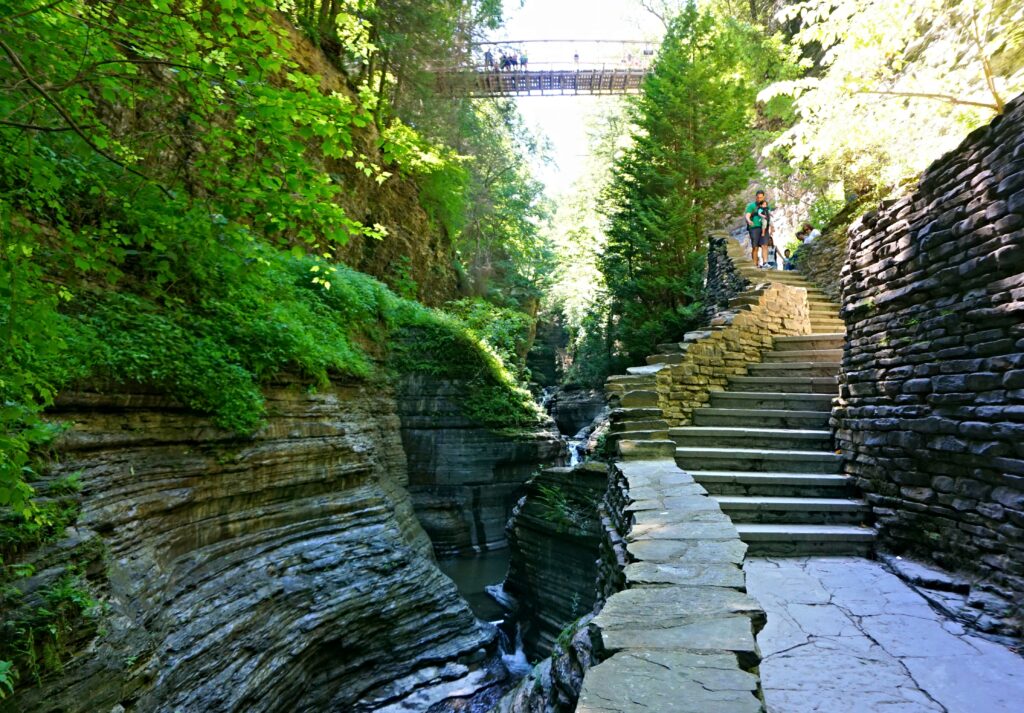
(763, 447)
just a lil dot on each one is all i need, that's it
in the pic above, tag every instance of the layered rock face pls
(282, 572)
(555, 536)
(464, 480)
(574, 410)
(932, 411)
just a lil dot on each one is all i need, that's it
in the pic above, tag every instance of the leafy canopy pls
(893, 84)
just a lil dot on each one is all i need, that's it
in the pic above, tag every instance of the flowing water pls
(473, 575)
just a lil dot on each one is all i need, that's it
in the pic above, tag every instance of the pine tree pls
(691, 150)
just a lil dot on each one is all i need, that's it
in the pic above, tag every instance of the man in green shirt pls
(755, 229)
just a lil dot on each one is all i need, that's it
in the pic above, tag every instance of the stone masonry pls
(683, 375)
(931, 417)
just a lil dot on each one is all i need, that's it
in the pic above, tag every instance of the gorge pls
(327, 384)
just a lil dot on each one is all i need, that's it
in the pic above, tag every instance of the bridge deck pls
(468, 83)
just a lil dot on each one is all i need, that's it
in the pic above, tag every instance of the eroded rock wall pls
(286, 572)
(464, 480)
(555, 535)
(932, 412)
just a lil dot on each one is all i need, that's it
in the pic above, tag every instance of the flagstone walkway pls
(844, 635)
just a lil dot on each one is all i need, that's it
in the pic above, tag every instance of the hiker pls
(576, 59)
(773, 256)
(787, 261)
(514, 61)
(756, 229)
(812, 233)
(522, 61)
(489, 59)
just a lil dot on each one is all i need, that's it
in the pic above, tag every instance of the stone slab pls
(688, 573)
(663, 681)
(845, 635)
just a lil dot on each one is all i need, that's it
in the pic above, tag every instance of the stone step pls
(795, 368)
(752, 437)
(822, 326)
(634, 414)
(793, 510)
(644, 370)
(640, 435)
(640, 398)
(633, 380)
(666, 359)
(834, 356)
(773, 400)
(640, 424)
(804, 540)
(647, 450)
(786, 385)
(807, 342)
(808, 485)
(767, 418)
(758, 460)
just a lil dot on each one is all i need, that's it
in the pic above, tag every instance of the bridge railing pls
(495, 83)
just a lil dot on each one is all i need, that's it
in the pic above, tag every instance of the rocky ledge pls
(464, 479)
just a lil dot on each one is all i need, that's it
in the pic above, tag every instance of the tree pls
(896, 83)
(691, 151)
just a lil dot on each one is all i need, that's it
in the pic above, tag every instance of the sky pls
(564, 119)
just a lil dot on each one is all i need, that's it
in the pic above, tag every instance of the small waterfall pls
(514, 657)
(577, 446)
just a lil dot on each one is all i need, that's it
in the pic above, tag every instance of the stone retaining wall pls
(931, 416)
(737, 338)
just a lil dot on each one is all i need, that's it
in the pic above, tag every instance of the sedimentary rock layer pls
(464, 480)
(282, 572)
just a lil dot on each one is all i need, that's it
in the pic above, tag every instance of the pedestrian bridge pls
(558, 82)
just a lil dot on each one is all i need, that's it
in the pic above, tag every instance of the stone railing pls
(687, 372)
(931, 416)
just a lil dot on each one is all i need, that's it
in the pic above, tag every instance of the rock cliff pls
(282, 572)
(464, 480)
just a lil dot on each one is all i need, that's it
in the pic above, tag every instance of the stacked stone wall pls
(723, 281)
(738, 338)
(931, 413)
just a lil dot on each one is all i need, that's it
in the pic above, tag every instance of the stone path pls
(846, 636)
(681, 634)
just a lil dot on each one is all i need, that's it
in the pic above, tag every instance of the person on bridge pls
(756, 229)
(523, 60)
(489, 59)
(576, 59)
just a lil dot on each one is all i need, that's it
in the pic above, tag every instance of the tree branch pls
(64, 114)
(34, 127)
(948, 98)
(32, 11)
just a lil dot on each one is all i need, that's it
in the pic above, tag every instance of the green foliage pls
(8, 676)
(434, 344)
(891, 86)
(170, 209)
(560, 510)
(824, 209)
(35, 629)
(690, 154)
(507, 332)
